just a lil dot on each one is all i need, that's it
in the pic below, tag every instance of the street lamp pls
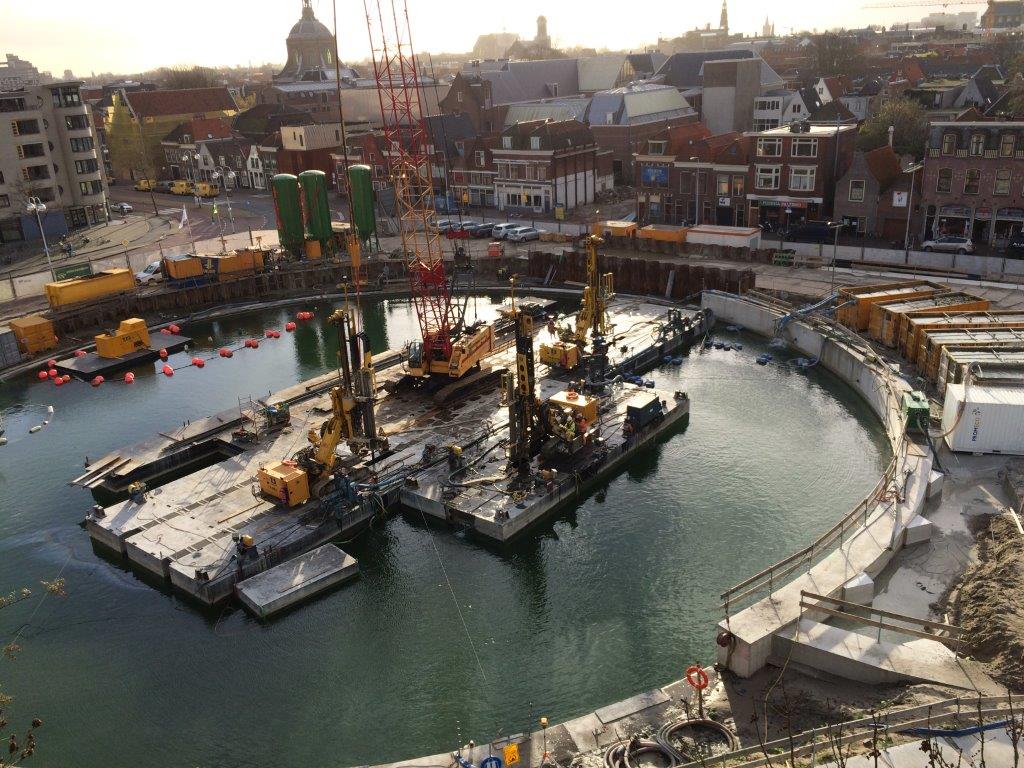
(912, 170)
(38, 207)
(835, 226)
(696, 189)
(220, 172)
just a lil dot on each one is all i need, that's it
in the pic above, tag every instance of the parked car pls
(121, 209)
(810, 232)
(482, 230)
(182, 187)
(499, 231)
(522, 234)
(949, 244)
(151, 274)
(443, 225)
(144, 185)
(459, 231)
(162, 186)
(1015, 248)
(207, 189)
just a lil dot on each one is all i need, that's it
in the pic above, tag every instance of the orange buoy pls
(80, 353)
(289, 327)
(43, 375)
(51, 363)
(198, 362)
(129, 377)
(174, 328)
(66, 378)
(52, 373)
(168, 371)
(163, 354)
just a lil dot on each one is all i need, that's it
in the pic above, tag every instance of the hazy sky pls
(102, 35)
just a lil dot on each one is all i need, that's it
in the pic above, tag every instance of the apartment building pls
(48, 151)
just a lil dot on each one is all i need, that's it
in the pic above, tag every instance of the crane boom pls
(409, 165)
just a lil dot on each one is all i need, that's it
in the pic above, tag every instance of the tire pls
(928, 249)
(961, 251)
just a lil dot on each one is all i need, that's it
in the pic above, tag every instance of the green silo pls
(360, 178)
(289, 212)
(316, 211)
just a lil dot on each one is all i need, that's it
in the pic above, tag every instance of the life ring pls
(697, 677)
(572, 395)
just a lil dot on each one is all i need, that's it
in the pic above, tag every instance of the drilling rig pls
(592, 319)
(447, 349)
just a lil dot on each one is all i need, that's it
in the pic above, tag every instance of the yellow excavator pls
(295, 481)
(592, 317)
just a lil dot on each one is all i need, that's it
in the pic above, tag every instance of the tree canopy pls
(908, 119)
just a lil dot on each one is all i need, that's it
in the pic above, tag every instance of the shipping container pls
(665, 233)
(106, 283)
(992, 363)
(734, 237)
(858, 300)
(937, 341)
(985, 419)
(927, 323)
(887, 318)
(183, 267)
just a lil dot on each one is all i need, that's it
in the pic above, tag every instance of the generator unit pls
(917, 413)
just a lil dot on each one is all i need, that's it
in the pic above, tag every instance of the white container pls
(713, 234)
(992, 420)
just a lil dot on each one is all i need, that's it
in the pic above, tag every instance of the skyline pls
(70, 35)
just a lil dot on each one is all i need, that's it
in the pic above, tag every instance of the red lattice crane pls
(409, 164)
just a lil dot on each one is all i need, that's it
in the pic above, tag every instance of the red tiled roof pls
(201, 129)
(682, 137)
(189, 101)
(884, 165)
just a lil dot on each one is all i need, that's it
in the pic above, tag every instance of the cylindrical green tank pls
(289, 211)
(316, 211)
(360, 178)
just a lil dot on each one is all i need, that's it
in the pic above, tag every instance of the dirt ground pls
(988, 600)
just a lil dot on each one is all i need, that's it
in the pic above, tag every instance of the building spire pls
(307, 9)
(723, 23)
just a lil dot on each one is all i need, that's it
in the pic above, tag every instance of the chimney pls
(892, 130)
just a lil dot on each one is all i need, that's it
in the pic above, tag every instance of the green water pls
(614, 597)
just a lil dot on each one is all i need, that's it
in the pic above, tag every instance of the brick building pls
(871, 198)
(974, 180)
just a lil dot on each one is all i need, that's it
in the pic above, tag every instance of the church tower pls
(723, 23)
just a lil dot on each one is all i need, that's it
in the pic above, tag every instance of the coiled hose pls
(666, 737)
(623, 754)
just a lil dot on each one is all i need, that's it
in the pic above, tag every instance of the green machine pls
(289, 212)
(316, 211)
(917, 413)
(360, 179)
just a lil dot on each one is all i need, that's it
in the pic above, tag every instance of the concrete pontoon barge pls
(202, 526)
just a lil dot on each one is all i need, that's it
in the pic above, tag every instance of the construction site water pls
(442, 638)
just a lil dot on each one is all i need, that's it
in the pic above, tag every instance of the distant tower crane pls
(445, 347)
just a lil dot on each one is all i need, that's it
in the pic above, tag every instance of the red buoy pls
(163, 354)
(254, 343)
(129, 377)
(165, 331)
(174, 328)
(289, 326)
(168, 371)
(198, 362)
(52, 373)
(80, 353)
(97, 381)
(58, 382)
(51, 363)
(43, 375)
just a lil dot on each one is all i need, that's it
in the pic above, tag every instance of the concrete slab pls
(859, 589)
(918, 531)
(632, 705)
(297, 580)
(935, 483)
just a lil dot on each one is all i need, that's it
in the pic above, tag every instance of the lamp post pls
(696, 191)
(835, 226)
(38, 207)
(912, 170)
(220, 172)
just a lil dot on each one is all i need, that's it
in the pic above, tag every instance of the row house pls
(874, 197)
(794, 172)
(181, 146)
(474, 172)
(547, 166)
(261, 165)
(782, 106)
(974, 180)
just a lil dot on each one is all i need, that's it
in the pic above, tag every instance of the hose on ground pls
(623, 754)
(667, 732)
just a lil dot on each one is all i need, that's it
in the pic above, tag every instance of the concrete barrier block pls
(935, 482)
(919, 530)
(859, 589)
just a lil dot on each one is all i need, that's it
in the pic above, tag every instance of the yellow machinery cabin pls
(132, 335)
(285, 482)
(560, 354)
(33, 334)
(577, 401)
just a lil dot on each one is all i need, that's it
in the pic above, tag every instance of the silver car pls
(522, 234)
(949, 244)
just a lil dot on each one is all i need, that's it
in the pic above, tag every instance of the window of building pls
(738, 185)
(12, 105)
(948, 143)
(1002, 186)
(765, 124)
(768, 177)
(90, 187)
(5, 201)
(856, 190)
(972, 182)
(535, 142)
(945, 182)
(76, 122)
(656, 147)
(685, 183)
(458, 96)
(24, 127)
(480, 158)
(506, 142)
(31, 150)
(1006, 145)
(66, 97)
(801, 179)
(86, 166)
(83, 144)
(769, 147)
(723, 185)
(977, 145)
(804, 148)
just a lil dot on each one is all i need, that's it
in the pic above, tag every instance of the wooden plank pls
(879, 624)
(886, 614)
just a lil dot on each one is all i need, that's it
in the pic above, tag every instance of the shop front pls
(779, 214)
(1008, 223)
(952, 220)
